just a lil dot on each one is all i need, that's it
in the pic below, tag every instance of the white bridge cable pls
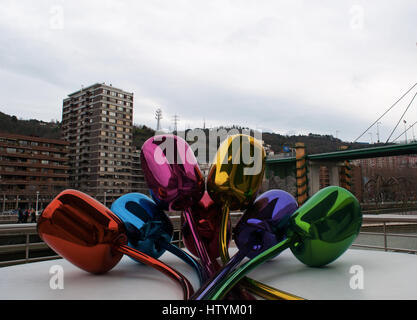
(386, 112)
(404, 132)
(402, 116)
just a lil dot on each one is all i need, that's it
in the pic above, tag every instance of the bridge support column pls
(345, 176)
(314, 178)
(301, 173)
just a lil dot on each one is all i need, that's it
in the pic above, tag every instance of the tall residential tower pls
(97, 121)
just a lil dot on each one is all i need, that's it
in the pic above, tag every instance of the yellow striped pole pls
(301, 173)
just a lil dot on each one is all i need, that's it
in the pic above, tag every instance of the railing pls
(26, 229)
(29, 229)
(384, 221)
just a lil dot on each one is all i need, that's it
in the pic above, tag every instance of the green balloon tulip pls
(325, 226)
(319, 232)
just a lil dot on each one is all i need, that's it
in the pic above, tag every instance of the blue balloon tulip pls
(148, 228)
(146, 225)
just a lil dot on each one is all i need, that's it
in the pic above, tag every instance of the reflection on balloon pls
(263, 225)
(234, 181)
(172, 173)
(319, 232)
(90, 236)
(149, 229)
(207, 216)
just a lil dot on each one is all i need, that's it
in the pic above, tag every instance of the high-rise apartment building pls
(33, 170)
(97, 121)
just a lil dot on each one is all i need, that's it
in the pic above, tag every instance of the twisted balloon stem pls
(186, 286)
(199, 245)
(254, 286)
(268, 292)
(237, 275)
(185, 257)
(224, 252)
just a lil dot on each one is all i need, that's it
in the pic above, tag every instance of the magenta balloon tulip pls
(172, 172)
(176, 182)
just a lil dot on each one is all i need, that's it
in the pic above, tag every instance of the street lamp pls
(37, 200)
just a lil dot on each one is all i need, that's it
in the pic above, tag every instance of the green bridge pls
(301, 172)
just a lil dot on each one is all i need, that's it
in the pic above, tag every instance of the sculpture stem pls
(160, 266)
(208, 265)
(184, 256)
(237, 275)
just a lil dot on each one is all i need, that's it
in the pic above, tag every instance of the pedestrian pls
(25, 216)
(19, 215)
(32, 216)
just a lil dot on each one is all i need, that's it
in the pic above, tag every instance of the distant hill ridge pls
(315, 143)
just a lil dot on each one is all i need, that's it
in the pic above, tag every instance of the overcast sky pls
(291, 67)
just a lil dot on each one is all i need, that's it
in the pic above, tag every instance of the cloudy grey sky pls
(290, 67)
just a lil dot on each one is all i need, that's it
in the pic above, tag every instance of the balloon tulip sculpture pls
(176, 182)
(207, 216)
(262, 226)
(319, 232)
(149, 229)
(234, 181)
(95, 238)
(89, 235)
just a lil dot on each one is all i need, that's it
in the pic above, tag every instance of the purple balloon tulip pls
(264, 223)
(262, 226)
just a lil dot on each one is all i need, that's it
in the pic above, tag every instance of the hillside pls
(32, 127)
(314, 143)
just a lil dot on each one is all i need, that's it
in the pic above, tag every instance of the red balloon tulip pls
(207, 216)
(89, 235)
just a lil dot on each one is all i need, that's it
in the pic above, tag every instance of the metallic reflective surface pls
(207, 216)
(171, 172)
(325, 226)
(267, 292)
(263, 225)
(145, 223)
(174, 177)
(319, 232)
(148, 228)
(89, 235)
(83, 231)
(267, 218)
(229, 180)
